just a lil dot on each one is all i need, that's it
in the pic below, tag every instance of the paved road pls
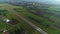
(30, 23)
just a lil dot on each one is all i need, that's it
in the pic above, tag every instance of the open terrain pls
(20, 27)
(23, 19)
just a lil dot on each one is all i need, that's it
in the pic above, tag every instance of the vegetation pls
(45, 21)
(44, 18)
(21, 27)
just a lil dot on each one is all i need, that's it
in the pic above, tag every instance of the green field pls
(43, 23)
(21, 26)
(39, 21)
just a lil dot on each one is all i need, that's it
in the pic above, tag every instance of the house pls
(12, 22)
(6, 20)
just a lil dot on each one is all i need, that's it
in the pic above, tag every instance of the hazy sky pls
(51, 1)
(48, 1)
(43, 1)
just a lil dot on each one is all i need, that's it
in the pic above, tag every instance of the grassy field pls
(45, 24)
(22, 26)
(39, 21)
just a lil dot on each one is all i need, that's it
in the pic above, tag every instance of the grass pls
(21, 23)
(51, 30)
(23, 11)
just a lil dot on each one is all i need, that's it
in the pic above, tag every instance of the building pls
(6, 20)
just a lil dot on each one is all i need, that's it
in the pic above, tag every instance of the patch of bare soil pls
(6, 32)
(13, 22)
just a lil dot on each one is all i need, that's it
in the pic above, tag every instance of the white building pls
(6, 20)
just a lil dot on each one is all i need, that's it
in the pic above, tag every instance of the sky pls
(41, 1)
(50, 1)
(47, 1)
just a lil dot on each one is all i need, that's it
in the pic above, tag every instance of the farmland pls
(20, 27)
(46, 20)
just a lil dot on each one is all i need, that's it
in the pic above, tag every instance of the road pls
(30, 23)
